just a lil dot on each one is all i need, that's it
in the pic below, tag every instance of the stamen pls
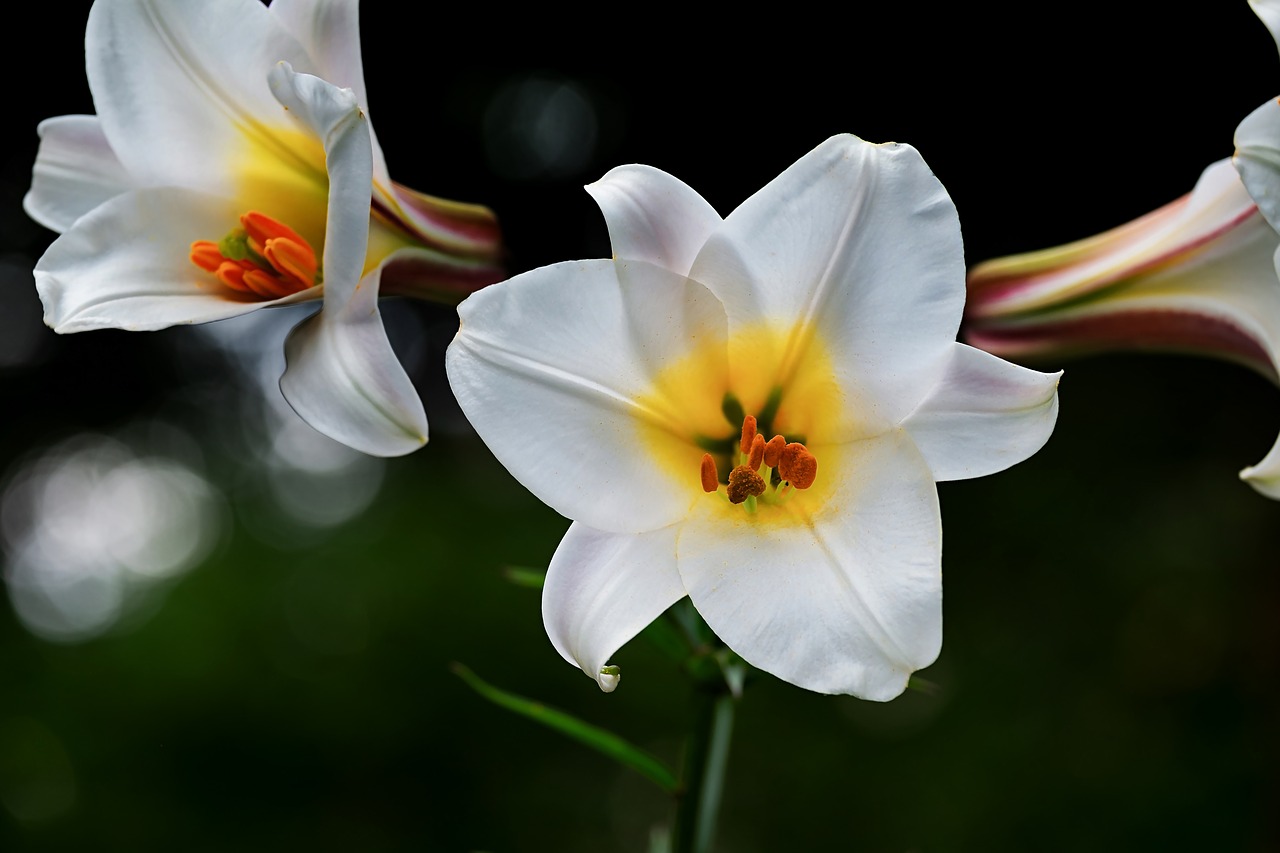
(293, 258)
(267, 285)
(757, 453)
(773, 451)
(710, 477)
(798, 466)
(262, 228)
(231, 274)
(265, 258)
(744, 483)
(205, 254)
(748, 434)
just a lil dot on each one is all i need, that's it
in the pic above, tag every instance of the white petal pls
(126, 265)
(861, 244)
(335, 117)
(329, 30)
(178, 84)
(555, 370)
(1257, 158)
(1265, 476)
(985, 415)
(604, 588)
(847, 600)
(653, 216)
(75, 171)
(1213, 212)
(343, 377)
(1269, 12)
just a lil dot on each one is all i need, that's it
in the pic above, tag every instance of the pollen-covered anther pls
(744, 483)
(798, 466)
(757, 453)
(264, 257)
(710, 477)
(748, 434)
(773, 450)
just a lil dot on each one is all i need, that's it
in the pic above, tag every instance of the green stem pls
(706, 757)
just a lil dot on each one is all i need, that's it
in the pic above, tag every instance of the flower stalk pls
(703, 774)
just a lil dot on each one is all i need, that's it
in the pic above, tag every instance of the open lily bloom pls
(231, 166)
(753, 412)
(1198, 276)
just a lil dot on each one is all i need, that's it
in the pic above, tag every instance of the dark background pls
(1109, 676)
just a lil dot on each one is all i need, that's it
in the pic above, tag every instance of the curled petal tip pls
(608, 678)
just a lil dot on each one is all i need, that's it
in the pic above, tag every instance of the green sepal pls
(602, 741)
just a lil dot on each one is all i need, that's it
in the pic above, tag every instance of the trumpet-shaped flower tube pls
(1198, 276)
(752, 411)
(232, 166)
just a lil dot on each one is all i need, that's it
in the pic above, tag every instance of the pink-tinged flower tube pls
(752, 412)
(1197, 276)
(232, 166)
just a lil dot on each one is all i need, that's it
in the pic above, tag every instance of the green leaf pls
(526, 577)
(597, 738)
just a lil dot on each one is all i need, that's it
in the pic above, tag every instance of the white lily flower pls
(823, 310)
(1197, 276)
(231, 166)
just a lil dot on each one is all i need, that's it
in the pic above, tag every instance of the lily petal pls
(859, 245)
(653, 216)
(556, 368)
(468, 232)
(101, 275)
(602, 589)
(76, 170)
(985, 415)
(848, 600)
(344, 379)
(329, 30)
(188, 125)
(1257, 158)
(1265, 476)
(1029, 282)
(1269, 12)
(342, 376)
(1196, 276)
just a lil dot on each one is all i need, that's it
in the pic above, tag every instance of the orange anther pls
(710, 478)
(748, 433)
(773, 450)
(798, 466)
(757, 453)
(205, 254)
(292, 258)
(268, 286)
(744, 483)
(231, 274)
(262, 228)
(266, 259)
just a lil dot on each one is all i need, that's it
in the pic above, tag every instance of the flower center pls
(264, 258)
(768, 471)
